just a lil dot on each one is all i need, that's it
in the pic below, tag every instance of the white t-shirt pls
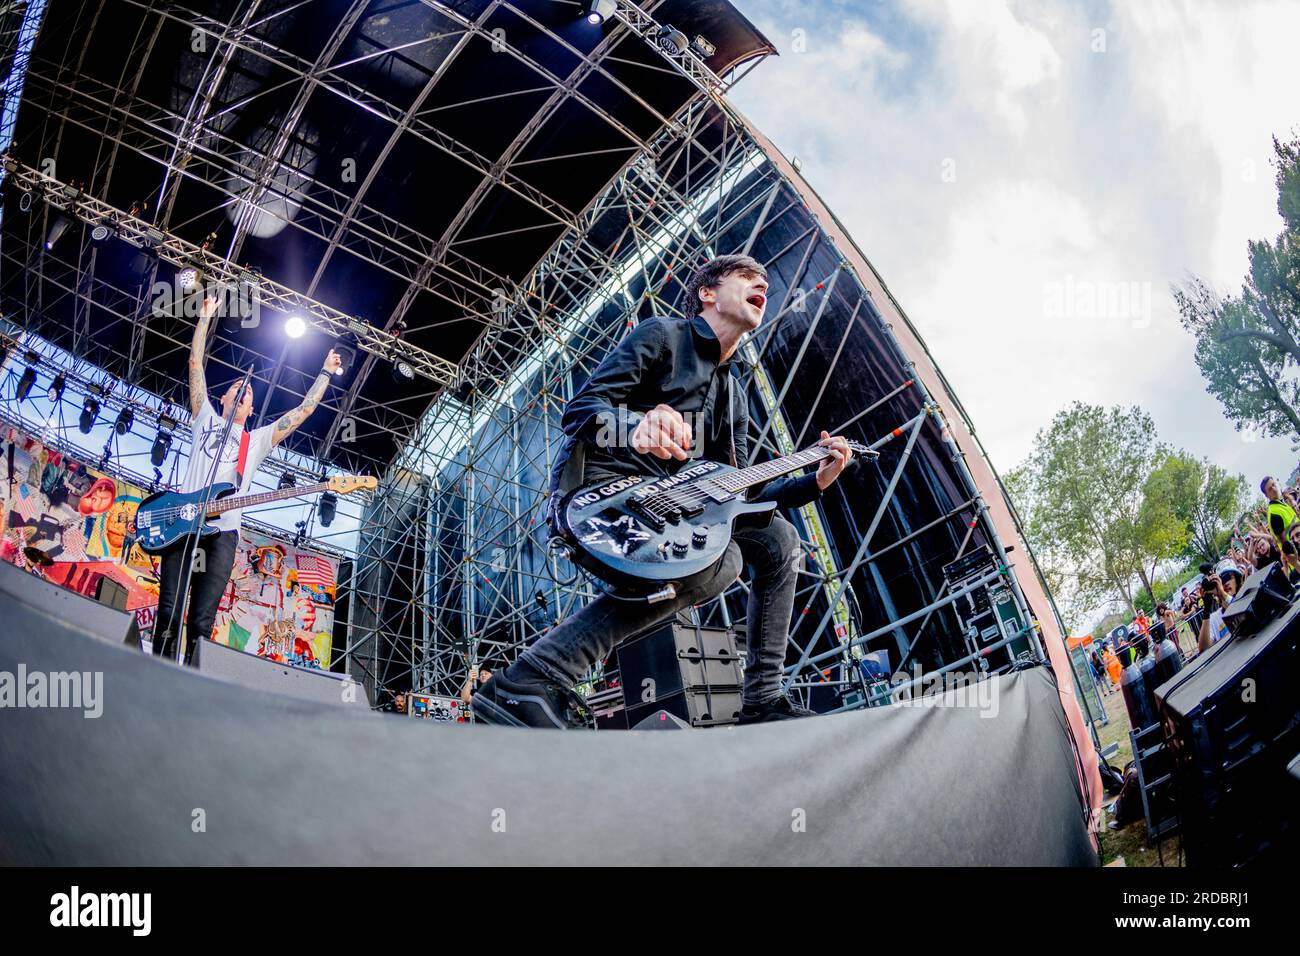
(207, 430)
(1218, 629)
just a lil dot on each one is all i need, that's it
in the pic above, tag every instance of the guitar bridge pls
(648, 514)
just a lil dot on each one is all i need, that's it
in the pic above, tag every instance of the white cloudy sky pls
(1142, 164)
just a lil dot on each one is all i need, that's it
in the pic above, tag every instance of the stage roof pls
(409, 163)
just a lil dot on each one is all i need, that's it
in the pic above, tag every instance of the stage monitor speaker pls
(45, 598)
(1263, 596)
(697, 706)
(681, 668)
(1232, 718)
(662, 720)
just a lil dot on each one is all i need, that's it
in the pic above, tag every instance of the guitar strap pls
(243, 458)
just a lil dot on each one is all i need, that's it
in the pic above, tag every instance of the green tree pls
(1248, 345)
(1201, 496)
(1081, 495)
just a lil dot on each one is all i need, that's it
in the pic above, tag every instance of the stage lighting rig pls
(295, 327)
(703, 47)
(671, 40)
(102, 231)
(55, 392)
(327, 508)
(125, 419)
(90, 408)
(598, 11)
(162, 443)
(57, 228)
(188, 278)
(28, 378)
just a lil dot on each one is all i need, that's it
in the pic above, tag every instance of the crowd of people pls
(1267, 538)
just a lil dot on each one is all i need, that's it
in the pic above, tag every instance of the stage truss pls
(450, 570)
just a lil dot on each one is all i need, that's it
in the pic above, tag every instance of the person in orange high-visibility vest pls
(1112, 666)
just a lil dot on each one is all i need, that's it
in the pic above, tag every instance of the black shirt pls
(668, 361)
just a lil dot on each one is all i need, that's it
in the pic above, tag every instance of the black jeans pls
(774, 556)
(209, 580)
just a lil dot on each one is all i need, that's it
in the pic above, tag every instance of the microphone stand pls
(183, 591)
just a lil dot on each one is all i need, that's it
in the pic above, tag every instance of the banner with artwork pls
(279, 603)
(73, 524)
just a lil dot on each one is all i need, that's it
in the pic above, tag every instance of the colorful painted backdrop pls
(280, 600)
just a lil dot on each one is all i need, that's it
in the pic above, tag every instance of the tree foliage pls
(1081, 496)
(1248, 345)
(1106, 508)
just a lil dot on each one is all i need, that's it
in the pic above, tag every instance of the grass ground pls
(1130, 843)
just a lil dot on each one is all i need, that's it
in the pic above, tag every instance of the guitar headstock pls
(342, 484)
(860, 449)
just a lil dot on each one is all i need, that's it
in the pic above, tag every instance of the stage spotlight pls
(295, 327)
(56, 388)
(25, 201)
(598, 11)
(671, 40)
(162, 443)
(90, 409)
(25, 383)
(329, 503)
(188, 278)
(100, 234)
(286, 481)
(125, 419)
(57, 229)
(403, 372)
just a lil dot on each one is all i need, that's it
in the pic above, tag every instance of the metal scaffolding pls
(451, 570)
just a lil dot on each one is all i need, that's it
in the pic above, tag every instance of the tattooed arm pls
(198, 383)
(292, 419)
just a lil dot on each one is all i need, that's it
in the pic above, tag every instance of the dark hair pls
(1265, 481)
(1264, 560)
(711, 273)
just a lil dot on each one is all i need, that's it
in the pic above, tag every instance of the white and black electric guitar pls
(647, 534)
(170, 516)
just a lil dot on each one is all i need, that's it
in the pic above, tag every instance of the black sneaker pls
(778, 708)
(500, 700)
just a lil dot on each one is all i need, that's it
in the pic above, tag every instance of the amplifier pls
(1232, 719)
(690, 671)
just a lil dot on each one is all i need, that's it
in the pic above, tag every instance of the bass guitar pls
(171, 516)
(647, 534)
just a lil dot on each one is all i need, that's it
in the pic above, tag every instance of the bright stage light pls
(295, 327)
(598, 11)
(57, 229)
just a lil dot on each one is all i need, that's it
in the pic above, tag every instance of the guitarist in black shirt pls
(665, 396)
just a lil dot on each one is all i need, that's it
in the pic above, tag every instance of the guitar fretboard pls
(248, 501)
(756, 474)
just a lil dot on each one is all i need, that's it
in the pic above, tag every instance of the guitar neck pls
(757, 474)
(247, 501)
